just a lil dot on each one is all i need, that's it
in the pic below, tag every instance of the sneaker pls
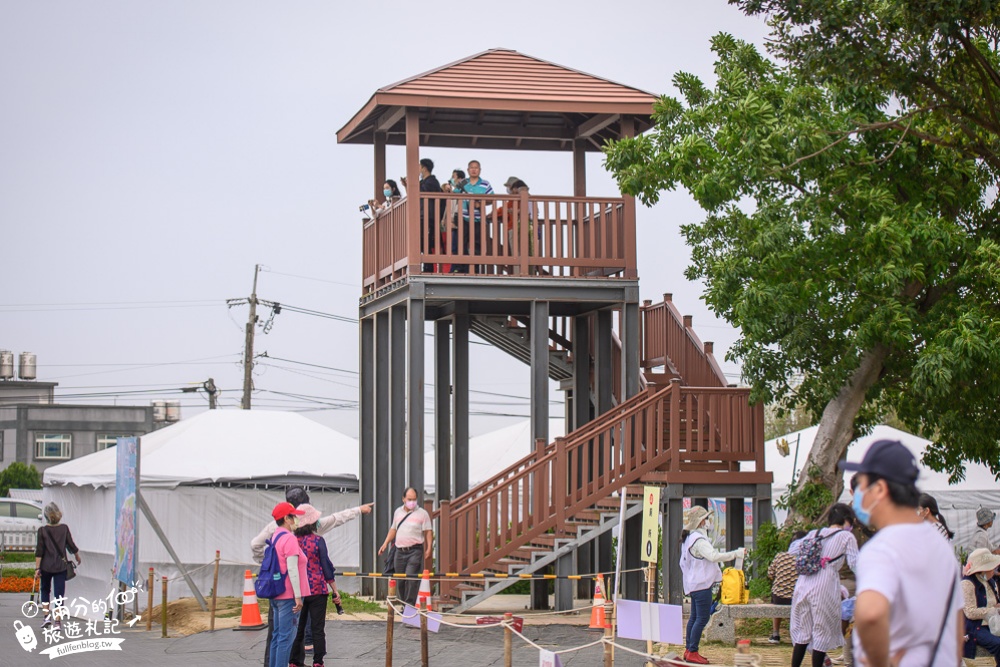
(47, 622)
(317, 664)
(695, 658)
(774, 639)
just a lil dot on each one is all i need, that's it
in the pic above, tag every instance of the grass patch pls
(355, 605)
(18, 557)
(18, 572)
(753, 628)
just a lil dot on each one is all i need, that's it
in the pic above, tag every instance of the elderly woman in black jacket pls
(54, 540)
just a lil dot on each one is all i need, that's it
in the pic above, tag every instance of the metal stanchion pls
(215, 594)
(508, 640)
(164, 605)
(389, 622)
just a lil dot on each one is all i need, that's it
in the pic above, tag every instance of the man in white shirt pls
(413, 534)
(908, 609)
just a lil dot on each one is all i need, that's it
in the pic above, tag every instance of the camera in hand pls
(364, 207)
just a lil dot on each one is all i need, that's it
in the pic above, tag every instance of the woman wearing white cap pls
(700, 569)
(979, 590)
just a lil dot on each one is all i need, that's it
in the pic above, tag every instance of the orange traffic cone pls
(424, 593)
(597, 620)
(250, 620)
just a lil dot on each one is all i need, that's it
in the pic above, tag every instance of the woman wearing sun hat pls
(979, 590)
(700, 569)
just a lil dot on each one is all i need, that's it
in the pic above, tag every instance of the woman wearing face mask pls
(816, 601)
(980, 595)
(700, 570)
(391, 193)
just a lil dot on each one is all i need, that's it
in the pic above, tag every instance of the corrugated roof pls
(524, 90)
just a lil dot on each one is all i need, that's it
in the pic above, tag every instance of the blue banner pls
(126, 509)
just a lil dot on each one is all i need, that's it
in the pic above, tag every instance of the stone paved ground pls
(356, 643)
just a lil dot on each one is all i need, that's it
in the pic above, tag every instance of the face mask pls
(410, 504)
(293, 524)
(387, 193)
(864, 515)
(708, 525)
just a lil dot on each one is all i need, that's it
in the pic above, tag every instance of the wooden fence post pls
(149, 607)
(609, 633)
(389, 621)
(163, 612)
(215, 593)
(422, 609)
(508, 638)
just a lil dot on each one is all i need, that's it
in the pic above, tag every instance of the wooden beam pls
(389, 119)
(495, 131)
(596, 124)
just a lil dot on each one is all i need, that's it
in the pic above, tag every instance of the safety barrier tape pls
(750, 660)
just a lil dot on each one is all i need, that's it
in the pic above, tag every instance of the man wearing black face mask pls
(430, 209)
(908, 608)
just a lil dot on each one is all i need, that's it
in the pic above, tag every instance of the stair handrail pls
(585, 431)
(549, 510)
(692, 344)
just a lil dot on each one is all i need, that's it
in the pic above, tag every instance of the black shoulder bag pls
(389, 566)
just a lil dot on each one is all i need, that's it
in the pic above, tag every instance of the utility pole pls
(212, 392)
(248, 355)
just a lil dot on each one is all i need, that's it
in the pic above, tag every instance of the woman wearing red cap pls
(292, 562)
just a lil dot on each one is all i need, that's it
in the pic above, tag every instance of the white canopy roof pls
(494, 451)
(240, 446)
(977, 476)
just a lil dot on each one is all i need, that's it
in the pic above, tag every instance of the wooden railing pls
(669, 340)
(575, 237)
(667, 428)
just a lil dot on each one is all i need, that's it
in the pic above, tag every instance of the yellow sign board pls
(650, 523)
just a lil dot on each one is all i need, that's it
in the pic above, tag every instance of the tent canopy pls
(228, 446)
(495, 451)
(977, 476)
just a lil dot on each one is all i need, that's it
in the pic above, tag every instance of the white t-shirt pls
(913, 566)
(411, 532)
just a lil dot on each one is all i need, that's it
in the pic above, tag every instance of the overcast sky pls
(152, 153)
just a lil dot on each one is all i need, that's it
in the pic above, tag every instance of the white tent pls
(210, 482)
(957, 502)
(495, 451)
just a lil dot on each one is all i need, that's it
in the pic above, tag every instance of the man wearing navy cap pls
(908, 610)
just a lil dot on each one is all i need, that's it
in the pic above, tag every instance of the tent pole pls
(173, 554)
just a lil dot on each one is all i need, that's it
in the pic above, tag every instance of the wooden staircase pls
(560, 495)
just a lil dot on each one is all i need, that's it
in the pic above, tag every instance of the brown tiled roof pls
(501, 74)
(504, 82)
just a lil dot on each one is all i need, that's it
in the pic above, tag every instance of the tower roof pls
(502, 99)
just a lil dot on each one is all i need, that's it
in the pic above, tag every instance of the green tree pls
(850, 251)
(19, 476)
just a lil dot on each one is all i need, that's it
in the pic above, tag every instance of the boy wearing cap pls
(291, 561)
(908, 609)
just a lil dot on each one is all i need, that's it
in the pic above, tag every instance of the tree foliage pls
(19, 476)
(846, 227)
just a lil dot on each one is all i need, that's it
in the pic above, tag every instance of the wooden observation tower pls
(551, 280)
